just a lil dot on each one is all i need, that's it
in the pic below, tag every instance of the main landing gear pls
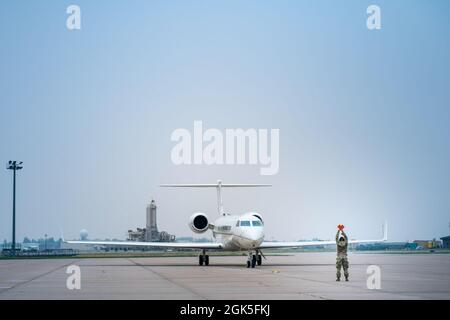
(254, 258)
(203, 258)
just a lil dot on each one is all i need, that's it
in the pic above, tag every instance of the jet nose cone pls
(251, 238)
(256, 236)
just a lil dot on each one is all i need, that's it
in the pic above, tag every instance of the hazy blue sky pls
(363, 115)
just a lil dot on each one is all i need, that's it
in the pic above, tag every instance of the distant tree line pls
(49, 243)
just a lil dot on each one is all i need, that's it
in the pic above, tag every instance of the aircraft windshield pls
(256, 223)
(245, 223)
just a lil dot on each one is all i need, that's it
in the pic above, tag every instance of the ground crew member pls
(341, 259)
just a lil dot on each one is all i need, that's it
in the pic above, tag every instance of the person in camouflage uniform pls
(341, 259)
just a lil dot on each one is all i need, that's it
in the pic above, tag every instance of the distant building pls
(446, 242)
(428, 244)
(137, 235)
(384, 246)
(150, 233)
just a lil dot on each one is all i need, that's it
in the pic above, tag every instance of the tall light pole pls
(14, 165)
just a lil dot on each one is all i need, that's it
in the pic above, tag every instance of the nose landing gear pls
(254, 258)
(203, 259)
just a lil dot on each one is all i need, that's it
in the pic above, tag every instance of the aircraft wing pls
(268, 245)
(175, 245)
(298, 244)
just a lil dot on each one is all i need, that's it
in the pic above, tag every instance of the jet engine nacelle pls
(199, 222)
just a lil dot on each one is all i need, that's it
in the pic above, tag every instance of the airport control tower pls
(152, 233)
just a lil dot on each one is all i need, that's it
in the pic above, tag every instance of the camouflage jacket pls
(341, 249)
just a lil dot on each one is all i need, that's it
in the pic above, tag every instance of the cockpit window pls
(237, 223)
(245, 223)
(256, 223)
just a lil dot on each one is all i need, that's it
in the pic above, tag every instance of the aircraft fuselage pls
(239, 232)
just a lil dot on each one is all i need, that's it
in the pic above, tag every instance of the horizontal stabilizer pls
(219, 185)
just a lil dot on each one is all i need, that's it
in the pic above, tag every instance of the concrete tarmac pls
(293, 276)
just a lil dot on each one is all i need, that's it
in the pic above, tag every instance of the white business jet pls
(243, 232)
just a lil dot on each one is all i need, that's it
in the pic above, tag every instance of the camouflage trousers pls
(341, 262)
